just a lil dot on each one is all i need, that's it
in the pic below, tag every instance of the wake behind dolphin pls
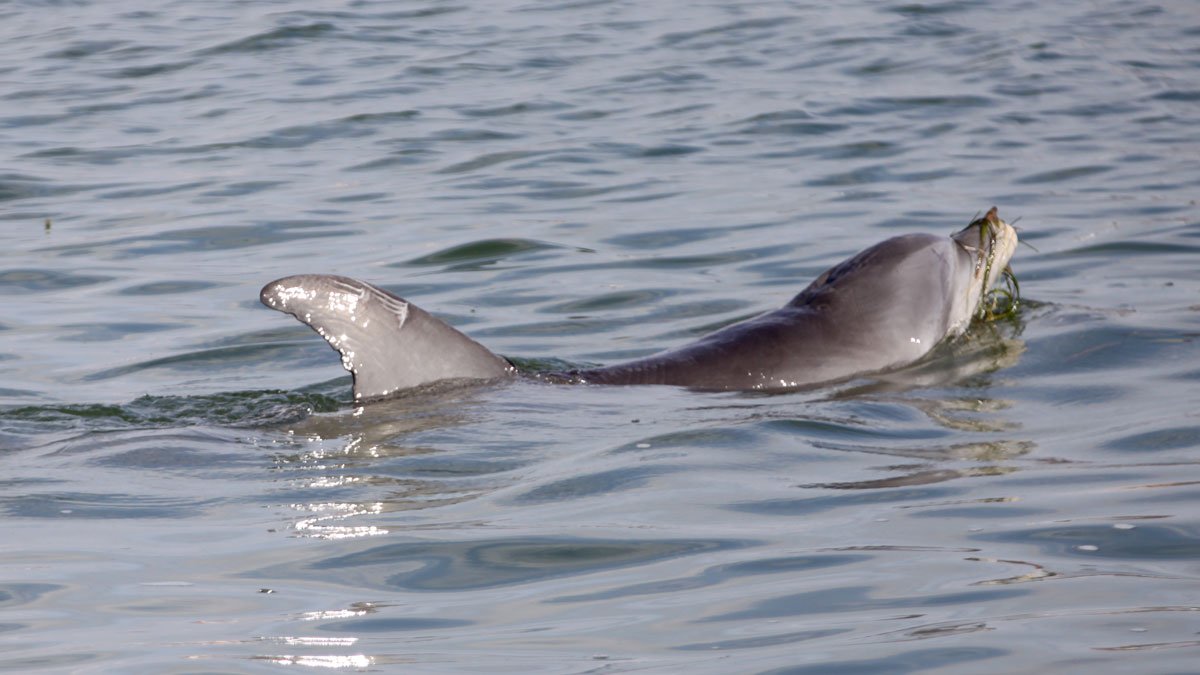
(879, 310)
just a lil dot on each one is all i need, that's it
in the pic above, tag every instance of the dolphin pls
(881, 309)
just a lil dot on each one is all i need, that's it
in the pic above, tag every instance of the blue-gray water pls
(583, 182)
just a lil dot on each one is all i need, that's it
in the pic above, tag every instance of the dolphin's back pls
(884, 307)
(386, 342)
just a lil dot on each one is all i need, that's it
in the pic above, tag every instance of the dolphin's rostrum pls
(883, 308)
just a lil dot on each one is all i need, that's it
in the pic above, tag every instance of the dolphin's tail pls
(386, 343)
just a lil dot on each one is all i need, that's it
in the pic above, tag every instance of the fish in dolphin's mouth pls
(993, 242)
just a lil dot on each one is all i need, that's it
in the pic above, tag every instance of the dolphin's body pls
(883, 308)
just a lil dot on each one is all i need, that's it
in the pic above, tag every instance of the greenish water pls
(186, 488)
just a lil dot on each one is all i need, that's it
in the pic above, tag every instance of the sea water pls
(186, 487)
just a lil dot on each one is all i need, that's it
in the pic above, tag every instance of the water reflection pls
(964, 361)
(356, 609)
(383, 458)
(374, 428)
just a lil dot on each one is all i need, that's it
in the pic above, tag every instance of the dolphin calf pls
(881, 309)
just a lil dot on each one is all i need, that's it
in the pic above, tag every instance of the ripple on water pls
(487, 160)
(721, 574)
(1104, 347)
(1060, 175)
(1171, 438)
(592, 485)
(213, 238)
(16, 594)
(488, 563)
(922, 106)
(856, 599)
(15, 186)
(789, 123)
(908, 661)
(616, 300)
(1174, 543)
(391, 625)
(481, 253)
(46, 280)
(807, 506)
(168, 287)
(247, 408)
(275, 38)
(101, 506)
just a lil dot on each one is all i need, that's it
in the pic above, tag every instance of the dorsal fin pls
(386, 342)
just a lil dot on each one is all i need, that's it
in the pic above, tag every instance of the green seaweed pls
(1001, 303)
(996, 303)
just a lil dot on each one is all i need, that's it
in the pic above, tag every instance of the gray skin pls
(883, 308)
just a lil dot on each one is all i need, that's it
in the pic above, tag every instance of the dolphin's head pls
(991, 243)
